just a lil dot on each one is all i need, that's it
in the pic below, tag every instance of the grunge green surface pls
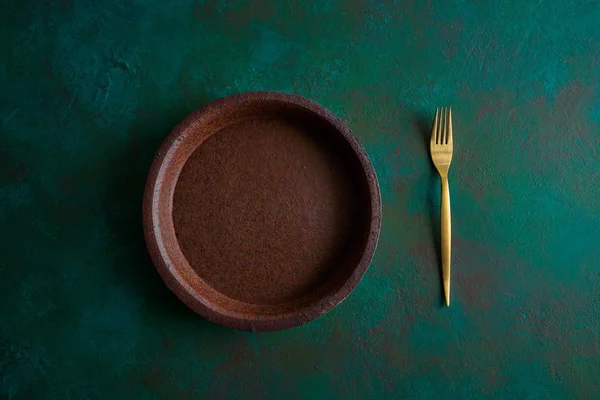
(90, 88)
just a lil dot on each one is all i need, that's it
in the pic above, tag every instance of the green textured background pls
(90, 88)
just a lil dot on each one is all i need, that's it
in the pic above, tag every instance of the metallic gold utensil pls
(441, 154)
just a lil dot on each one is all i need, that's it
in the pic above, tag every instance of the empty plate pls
(262, 211)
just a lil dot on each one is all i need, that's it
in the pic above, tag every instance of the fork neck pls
(443, 173)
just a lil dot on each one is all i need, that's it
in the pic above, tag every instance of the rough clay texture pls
(201, 214)
(90, 89)
(263, 210)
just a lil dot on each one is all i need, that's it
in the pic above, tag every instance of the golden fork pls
(441, 154)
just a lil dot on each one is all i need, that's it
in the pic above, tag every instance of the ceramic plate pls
(262, 211)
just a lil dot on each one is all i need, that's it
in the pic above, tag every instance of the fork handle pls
(446, 234)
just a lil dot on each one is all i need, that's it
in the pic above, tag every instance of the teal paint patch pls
(271, 47)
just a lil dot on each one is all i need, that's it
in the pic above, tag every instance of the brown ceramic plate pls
(262, 211)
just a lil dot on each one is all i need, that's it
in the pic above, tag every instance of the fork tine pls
(440, 126)
(449, 141)
(434, 133)
(445, 127)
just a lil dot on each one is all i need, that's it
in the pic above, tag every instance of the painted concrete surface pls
(90, 88)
